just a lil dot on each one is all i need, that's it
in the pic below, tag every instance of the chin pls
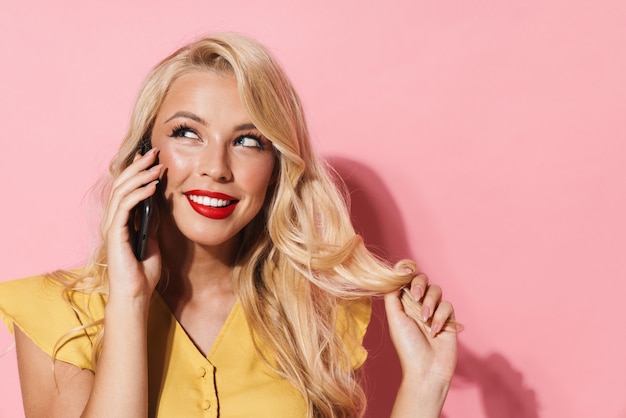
(209, 237)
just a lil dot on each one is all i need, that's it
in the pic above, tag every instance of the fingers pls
(418, 285)
(140, 163)
(431, 301)
(429, 295)
(433, 307)
(443, 315)
(392, 303)
(134, 184)
(127, 201)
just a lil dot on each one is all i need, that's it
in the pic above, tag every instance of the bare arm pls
(426, 343)
(64, 390)
(420, 398)
(40, 393)
(119, 387)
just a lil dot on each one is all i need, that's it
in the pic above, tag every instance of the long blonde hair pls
(300, 259)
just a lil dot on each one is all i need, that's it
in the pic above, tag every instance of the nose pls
(215, 163)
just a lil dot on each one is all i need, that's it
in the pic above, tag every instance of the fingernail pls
(155, 167)
(417, 293)
(425, 313)
(434, 329)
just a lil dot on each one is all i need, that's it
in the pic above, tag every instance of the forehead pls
(202, 83)
(206, 93)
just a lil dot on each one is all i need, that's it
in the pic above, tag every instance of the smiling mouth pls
(210, 201)
(212, 205)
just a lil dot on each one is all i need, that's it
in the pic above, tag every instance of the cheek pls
(259, 178)
(176, 166)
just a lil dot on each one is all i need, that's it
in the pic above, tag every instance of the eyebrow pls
(188, 115)
(245, 127)
(196, 118)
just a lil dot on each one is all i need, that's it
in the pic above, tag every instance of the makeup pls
(211, 204)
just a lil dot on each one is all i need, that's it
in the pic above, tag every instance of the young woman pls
(253, 297)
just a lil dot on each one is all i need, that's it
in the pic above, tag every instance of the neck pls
(196, 270)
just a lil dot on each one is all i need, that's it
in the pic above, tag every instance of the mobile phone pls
(139, 217)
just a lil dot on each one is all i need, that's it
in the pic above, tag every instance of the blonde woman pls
(253, 296)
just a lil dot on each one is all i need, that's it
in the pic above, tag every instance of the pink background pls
(486, 139)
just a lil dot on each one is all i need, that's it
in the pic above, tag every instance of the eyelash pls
(258, 138)
(179, 132)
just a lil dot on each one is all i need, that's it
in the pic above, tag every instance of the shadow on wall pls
(378, 220)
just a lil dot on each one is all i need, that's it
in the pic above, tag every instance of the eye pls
(182, 131)
(250, 140)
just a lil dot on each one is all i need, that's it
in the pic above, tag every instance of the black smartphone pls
(139, 217)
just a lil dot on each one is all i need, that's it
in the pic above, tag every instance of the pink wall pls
(486, 139)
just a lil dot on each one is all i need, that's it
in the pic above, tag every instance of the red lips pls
(211, 204)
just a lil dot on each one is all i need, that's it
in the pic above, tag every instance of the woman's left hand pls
(425, 336)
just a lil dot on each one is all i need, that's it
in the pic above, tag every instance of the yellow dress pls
(231, 381)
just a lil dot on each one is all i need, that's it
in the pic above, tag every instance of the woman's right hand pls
(128, 277)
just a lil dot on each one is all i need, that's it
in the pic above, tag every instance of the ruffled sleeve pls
(352, 321)
(37, 306)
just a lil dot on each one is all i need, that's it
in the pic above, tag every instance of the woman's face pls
(217, 165)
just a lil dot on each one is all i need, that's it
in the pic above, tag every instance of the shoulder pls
(23, 297)
(51, 317)
(353, 319)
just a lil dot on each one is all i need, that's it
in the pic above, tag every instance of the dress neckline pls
(234, 312)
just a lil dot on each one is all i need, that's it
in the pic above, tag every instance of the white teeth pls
(209, 201)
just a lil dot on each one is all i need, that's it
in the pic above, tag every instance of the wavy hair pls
(300, 260)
